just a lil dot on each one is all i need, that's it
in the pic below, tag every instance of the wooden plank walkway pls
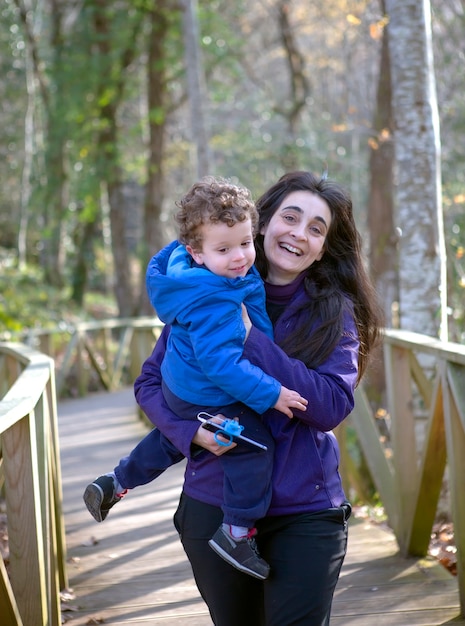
(131, 569)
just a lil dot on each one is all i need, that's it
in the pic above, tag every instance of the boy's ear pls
(197, 256)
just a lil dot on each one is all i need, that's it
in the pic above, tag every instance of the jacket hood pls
(175, 283)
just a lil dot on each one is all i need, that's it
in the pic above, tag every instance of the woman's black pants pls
(305, 552)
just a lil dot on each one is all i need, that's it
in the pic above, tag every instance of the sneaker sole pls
(93, 498)
(227, 557)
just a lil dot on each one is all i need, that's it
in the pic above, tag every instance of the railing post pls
(400, 403)
(30, 590)
(454, 414)
(56, 489)
(25, 531)
(46, 468)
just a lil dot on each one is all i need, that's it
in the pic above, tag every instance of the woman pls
(325, 320)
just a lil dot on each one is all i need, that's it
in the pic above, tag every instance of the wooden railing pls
(427, 376)
(90, 356)
(407, 466)
(30, 477)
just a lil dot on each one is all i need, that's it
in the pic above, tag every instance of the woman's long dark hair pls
(340, 274)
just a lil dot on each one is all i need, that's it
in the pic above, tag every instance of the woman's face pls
(295, 236)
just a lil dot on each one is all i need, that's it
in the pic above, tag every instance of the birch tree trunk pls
(422, 270)
(54, 189)
(26, 187)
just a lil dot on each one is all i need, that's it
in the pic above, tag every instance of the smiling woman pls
(295, 236)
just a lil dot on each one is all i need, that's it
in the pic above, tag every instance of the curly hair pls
(210, 201)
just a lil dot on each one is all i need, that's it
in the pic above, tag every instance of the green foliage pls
(93, 67)
(26, 302)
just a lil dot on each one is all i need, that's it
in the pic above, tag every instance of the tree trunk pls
(152, 237)
(383, 239)
(299, 85)
(422, 276)
(110, 170)
(84, 238)
(26, 188)
(54, 188)
(195, 87)
(53, 253)
(123, 286)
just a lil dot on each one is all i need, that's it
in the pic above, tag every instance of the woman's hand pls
(206, 439)
(246, 321)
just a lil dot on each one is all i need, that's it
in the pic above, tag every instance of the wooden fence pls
(407, 470)
(428, 376)
(100, 355)
(31, 579)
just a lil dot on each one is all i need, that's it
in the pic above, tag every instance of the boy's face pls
(226, 250)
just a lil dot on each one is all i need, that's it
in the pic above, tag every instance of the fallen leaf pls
(90, 542)
(74, 559)
(69, 608)
(67, 594)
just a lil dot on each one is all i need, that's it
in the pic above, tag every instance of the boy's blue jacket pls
(203, 363)
(306, 457)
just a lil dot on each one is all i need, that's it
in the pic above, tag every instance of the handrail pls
(30, 586)
(425, 377)
(95, 355)
(453, 352)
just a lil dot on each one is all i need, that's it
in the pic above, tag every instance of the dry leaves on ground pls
(442, 545)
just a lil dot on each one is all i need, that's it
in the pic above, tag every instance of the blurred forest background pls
(111, 109)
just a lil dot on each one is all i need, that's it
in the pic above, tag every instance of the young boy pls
(198, 286)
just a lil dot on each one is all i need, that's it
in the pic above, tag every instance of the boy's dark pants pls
(247, 473)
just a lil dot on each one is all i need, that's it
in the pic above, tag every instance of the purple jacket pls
(305, 476)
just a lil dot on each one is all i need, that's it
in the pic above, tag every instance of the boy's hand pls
(289, 399)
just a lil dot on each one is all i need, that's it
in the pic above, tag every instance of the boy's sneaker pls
(241, 553)
(100, 495)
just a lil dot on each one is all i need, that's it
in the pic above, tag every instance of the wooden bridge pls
(131, 569)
